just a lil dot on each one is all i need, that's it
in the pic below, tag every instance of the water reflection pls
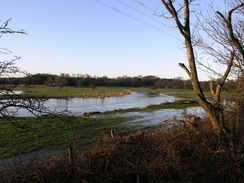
(80, 105)
(156, 117)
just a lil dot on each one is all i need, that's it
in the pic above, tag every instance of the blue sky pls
(88, 37)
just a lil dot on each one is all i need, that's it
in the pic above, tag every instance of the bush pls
(177, 154)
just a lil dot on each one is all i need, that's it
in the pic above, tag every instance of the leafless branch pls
(228, 23)
(182, 65)
(4, 29)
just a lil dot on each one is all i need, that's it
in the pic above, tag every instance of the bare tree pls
(217, 34)
(12, 102)
(181, 15)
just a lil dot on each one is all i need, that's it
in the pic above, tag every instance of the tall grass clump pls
(177, 154)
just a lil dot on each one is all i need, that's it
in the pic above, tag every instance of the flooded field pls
(143, 118)
(78, 106)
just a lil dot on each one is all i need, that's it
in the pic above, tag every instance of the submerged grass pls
(181, 104)
(27, 134)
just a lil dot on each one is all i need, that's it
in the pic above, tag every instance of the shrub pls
(177, 154)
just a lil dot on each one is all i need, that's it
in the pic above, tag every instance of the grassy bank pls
(41, 91)
(187, 94)
(68, 92)
(27, 134)
(180, 104)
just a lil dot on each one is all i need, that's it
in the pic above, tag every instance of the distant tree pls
(149, 80)
(79, 83)
(231, 43)
(60, 81)
(49, 81)
(136, 82)
(93, 86)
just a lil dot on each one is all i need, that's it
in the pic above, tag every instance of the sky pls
(97, 37)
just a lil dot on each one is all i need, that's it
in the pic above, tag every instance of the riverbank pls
(37, 91)
(178, 104)
(45, 92)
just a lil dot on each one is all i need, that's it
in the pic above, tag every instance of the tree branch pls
(232, 55)
(171, 9)
(185, 68)
(228, 23)
(5, 30)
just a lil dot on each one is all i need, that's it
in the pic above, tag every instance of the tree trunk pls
(214, 109)
(215, 114)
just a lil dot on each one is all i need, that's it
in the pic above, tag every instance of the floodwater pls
(156, 117)
(78, 106)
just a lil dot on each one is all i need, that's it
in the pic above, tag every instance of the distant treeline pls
(85, 80)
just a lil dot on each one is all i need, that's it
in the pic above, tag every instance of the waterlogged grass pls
(170, 105)
(182, 104)
(26, 134)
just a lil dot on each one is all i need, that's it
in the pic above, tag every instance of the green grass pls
(27, 134)
(69, 92)
(66, 92)
(151, 108)
(56, 92)
(20, 135)
(144, 89)
(188, 94)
